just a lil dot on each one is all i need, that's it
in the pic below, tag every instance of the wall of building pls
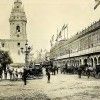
(18, 34)
(83, 46)
(14, 49)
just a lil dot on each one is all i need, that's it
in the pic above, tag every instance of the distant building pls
(18, 34)
(47, 56)
(83, 48)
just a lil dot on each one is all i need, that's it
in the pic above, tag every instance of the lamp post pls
(26, 51)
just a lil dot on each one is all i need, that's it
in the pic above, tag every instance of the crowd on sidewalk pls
(10, 73)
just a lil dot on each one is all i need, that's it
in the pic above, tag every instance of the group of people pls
(51, 70)
(14, 74)
(10, 73)
(87, 71)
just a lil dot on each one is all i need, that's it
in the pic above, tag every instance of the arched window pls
(18, 28)
(17, 6)
(2, 44)
(18, 44)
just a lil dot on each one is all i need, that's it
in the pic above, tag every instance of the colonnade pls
(77, 61)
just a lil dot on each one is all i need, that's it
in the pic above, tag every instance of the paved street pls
(62, 87)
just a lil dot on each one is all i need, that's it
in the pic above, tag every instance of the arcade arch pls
(95, 61)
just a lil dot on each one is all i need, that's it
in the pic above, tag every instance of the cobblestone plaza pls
(62, 87)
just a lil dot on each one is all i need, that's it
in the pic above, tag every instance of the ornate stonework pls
(18, 34)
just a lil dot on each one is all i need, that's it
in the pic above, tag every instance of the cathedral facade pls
(18, 36)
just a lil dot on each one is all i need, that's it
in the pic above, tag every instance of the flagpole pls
(97, 4)
(57, 36)
(64, 35)
(57, 30)
(67, 31)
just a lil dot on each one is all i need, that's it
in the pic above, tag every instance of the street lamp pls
(26, 51)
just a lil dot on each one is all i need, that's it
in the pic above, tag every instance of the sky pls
(45, 16)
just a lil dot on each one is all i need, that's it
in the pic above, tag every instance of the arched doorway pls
(18, 28)
(95, 62)
(99, 60)
(91, 62)
(68, 62)
(77, 63)
(85, 61)
(80, 62)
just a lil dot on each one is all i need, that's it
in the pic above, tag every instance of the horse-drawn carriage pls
(97, 71)
(70, 69)
(94, 71)
(35, 72)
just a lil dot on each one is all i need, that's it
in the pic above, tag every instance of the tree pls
(5, 59)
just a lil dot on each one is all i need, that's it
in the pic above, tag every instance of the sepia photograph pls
(49, 49)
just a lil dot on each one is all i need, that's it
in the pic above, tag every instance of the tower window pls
(18, 28)
(3, 44)
(18, 44)
(17, 6)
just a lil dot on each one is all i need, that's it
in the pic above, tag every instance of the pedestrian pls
(5, 73)
(57, 70)
(79, 72)
(21, 74)
(54, 69)
(13, 74)
(48, 76)
(16, 73)
(10, 73)
(46, 69)
(1, 71)
(88, 72)
(24, 76)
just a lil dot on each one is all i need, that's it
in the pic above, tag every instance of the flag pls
(52, 38)
(66, 26)
(57, 30)
(63, 27)
(57, 38)
(60, 34)
(51, 43)
(41, 50)
(97, 4)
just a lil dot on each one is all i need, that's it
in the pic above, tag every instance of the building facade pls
(18, 34)
(82, 48)
(47, 56)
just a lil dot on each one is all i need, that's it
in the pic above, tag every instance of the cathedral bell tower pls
(18, 22)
